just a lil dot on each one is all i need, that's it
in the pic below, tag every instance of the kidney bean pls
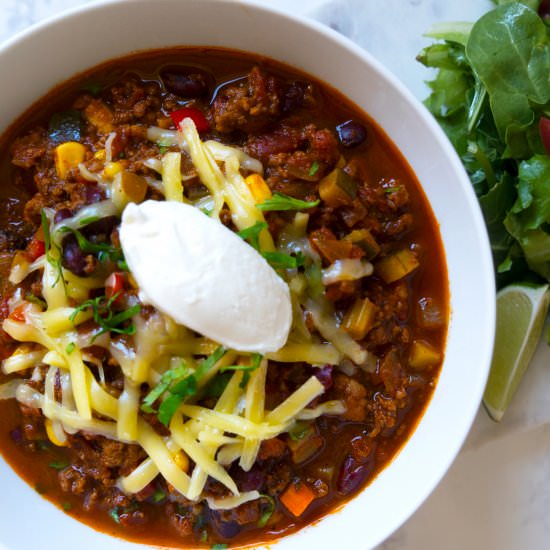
(104, 226)
(188, 83)
(351, 476)
(351, 133)
(228, 529)
(93, 193)
(62, 214)
(294, 96)
(324, 375)
(17, 436)
(248, 481)
(74, 259)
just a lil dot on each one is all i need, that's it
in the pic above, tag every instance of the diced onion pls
(348, 269)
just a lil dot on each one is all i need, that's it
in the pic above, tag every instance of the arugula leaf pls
(280, 201)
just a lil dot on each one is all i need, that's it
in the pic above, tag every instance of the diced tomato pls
(544, 129)
(18, 314)
(194, 114)
(35, 249)
(114, 285)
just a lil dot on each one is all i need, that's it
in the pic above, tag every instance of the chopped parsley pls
(280, 201)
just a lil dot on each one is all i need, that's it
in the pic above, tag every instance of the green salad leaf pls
(490, 91)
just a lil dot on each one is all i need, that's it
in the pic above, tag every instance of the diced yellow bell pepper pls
(182, 460)
(258, 187)
(51, 434)
(396, 266)
(112, 169)
(360, 318)
(423, 355)
(128, 187)
(68, 155)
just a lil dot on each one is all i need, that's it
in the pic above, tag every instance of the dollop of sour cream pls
(204, 276)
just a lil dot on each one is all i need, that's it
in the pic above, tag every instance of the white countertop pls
(497, 493)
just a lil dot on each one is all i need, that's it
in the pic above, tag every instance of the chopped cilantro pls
(268, 512)
(252, 234)
(280, 260)
(314, 168)
(59, 464)
(104, 316)
(280, 201)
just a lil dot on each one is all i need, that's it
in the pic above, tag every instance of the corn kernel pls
(67, 156)
(258, 187)
(100, 155)
(52, 436)
(112, 169)
(182, 460)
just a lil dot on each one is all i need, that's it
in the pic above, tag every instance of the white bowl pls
(35, 61)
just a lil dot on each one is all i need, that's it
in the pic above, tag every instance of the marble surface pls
(497, 493)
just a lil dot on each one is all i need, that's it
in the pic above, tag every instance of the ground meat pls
(249, 105)
(272, 448)
(354, 396)
(133, 101)
(72, 480)
(181, 520)
(249, 512)
(315, 156)
(383, 412)
(278, 478)
(26, 151)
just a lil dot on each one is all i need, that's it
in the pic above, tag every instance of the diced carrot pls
(297, 497)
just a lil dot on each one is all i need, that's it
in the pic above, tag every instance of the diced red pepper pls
(114, 285)
(194, 114)
(35, 249)
(544, 129)
(18, 314)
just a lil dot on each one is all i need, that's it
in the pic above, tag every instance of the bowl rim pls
(488, 282)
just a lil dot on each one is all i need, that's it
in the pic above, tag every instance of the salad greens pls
(491, 95)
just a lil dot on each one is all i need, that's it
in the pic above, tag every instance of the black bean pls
(74, 259)
(187, 83)
(351, 133)
(351, 476)
(62, 214)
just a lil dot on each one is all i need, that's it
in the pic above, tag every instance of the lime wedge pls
(521, 312)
